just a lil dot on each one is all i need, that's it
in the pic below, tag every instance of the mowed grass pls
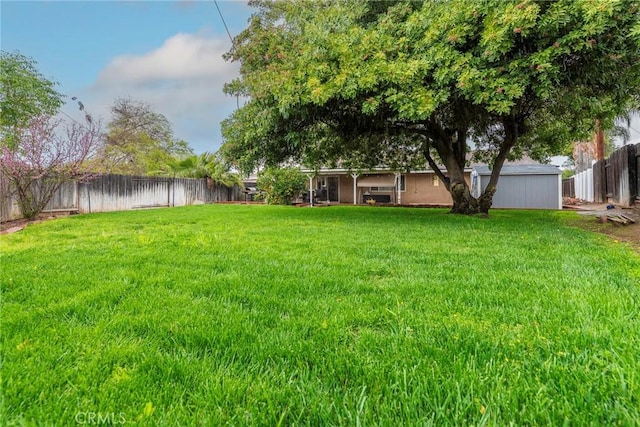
(258, 315)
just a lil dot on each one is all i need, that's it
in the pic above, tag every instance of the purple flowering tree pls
(48, 153)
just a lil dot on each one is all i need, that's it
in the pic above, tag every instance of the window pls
(390, 189)
(382, 189)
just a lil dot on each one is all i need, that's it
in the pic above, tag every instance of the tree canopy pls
(140, 141)
(406, 83)
(25, 94)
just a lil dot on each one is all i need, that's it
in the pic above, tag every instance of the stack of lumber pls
(619, 218)
(614, 216)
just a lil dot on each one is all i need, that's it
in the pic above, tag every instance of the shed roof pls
(521, 170)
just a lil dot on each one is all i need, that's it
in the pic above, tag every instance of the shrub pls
(281, 185)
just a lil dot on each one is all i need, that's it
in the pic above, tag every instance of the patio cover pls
(377, 181)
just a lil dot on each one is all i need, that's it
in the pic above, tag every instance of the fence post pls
(598, 178)
(632, 156)
(637, 169)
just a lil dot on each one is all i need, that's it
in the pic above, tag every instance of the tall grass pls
(258, 315)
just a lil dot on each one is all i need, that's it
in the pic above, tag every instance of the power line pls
(230, 38)
(223, 21)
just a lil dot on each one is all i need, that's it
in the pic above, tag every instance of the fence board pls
(609, 177)
(635, 165)
(599, 182)
(108, 193)
(65, 198)
(623, 185)
(584, 185)
(569, 187)
(616, 179)
(7, 202)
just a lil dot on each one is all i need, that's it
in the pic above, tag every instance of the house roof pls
(538, 169)
(381, 170)
(525, 162)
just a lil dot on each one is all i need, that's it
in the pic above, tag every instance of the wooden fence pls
(583, 183)
(569, 187)
(123, 192)
(614, 180)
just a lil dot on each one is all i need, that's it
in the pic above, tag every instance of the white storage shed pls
(522, 186)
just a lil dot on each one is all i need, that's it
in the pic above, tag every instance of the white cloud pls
(182, 79)
(181, 56)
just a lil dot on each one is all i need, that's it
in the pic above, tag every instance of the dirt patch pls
(16, 225)
(590, 219)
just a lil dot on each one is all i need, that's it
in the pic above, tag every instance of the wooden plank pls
(628, 218)
(60, 210)
(599, 182)
(617, 220)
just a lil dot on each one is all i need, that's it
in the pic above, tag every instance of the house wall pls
(346, 189)
(420, 189)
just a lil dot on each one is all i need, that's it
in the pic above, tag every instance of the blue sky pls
(165, 53)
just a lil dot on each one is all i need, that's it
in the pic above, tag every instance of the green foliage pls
(139, 141)
(206, 165)
(343, 81)
(281, 186)
(272, 315)
(25, 94)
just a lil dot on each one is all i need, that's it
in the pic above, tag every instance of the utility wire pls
(230, 38)
(223, 21)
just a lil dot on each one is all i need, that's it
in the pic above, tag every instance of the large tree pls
(139, 141)
(395, 83)
(25, 94)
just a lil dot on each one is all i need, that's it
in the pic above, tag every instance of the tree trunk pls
(486, 200)
(512, 128)
(35, 194)
(452, 149)
(599, 140)
(463, 202)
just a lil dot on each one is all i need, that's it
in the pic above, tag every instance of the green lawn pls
(258, 315)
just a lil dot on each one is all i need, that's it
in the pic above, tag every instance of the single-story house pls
(383, 186)
(525, 186)
(529, 186)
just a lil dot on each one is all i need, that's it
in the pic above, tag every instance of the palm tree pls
(621, 129)
(209, 166)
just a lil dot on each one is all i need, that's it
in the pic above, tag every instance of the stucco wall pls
(420, 188)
